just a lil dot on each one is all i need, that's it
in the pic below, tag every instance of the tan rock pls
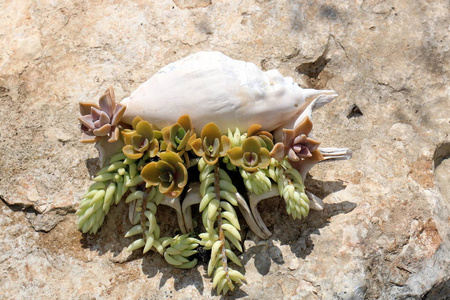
(384, 231)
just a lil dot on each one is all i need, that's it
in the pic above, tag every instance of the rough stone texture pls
(384, 232)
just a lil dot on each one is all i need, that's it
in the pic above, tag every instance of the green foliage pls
(221, 223)
(154, 167)
(111, 184)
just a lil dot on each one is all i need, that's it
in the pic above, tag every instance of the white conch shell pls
(211, 87)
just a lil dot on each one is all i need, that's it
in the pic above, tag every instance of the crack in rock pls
(41, 222)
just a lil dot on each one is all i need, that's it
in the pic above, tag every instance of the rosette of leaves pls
(142, 139)
(236, 138)
(211, 145)
(296, 144)
(251, 156)
(169, 174)
(177, 137)
(101, 121)
(265, 138)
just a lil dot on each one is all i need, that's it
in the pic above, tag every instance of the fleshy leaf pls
(225, 145)
(102, 131)
(254, 129)
(127, 135)
(171, 158)
(139, 142)
(106, 103)
(182, 175)
(85, 138)
(251, 145)
(211, 131)
(185, 122)
(197, 147)
(85, 107)
(129, 152)
(305, 127)
(87, 121)
(153, 148)
(278, 151)
(115, 135)
(236, 155)
(145, 129)
(118, 113)
(264, 158)
(104, 119)
(150, 173)
(135, 121)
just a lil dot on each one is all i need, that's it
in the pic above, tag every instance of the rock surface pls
(384, 232)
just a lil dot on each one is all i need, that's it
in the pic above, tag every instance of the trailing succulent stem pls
(175, 250)
(153, 168)
(111, 184)
(221, 224)
(256, 182)
(145, 214)
(179, 249)
(290, 187)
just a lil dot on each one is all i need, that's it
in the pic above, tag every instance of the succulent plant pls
(177, 136)
(101, 121)
(296, 144)
(169, 174)
(140, 140)
(161, 158)
(212, 144)
(250, 156)
(265, 138)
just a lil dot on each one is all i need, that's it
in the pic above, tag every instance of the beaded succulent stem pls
(153, 168)
(112, 183)
(146, 217)
(219, 225)
(142, 216)
(290, 187)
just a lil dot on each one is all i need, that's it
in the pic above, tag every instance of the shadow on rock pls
(287, 231)
(154, 263)
(110, 237)
(302, 246)
(323, 188)
(264, 253)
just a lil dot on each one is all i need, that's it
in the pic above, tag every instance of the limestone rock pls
(384, 232)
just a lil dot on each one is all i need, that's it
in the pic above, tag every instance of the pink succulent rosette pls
(298, 147)
(101, 121)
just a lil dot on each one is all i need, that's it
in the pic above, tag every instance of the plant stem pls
(144, 207)
(219, 225)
